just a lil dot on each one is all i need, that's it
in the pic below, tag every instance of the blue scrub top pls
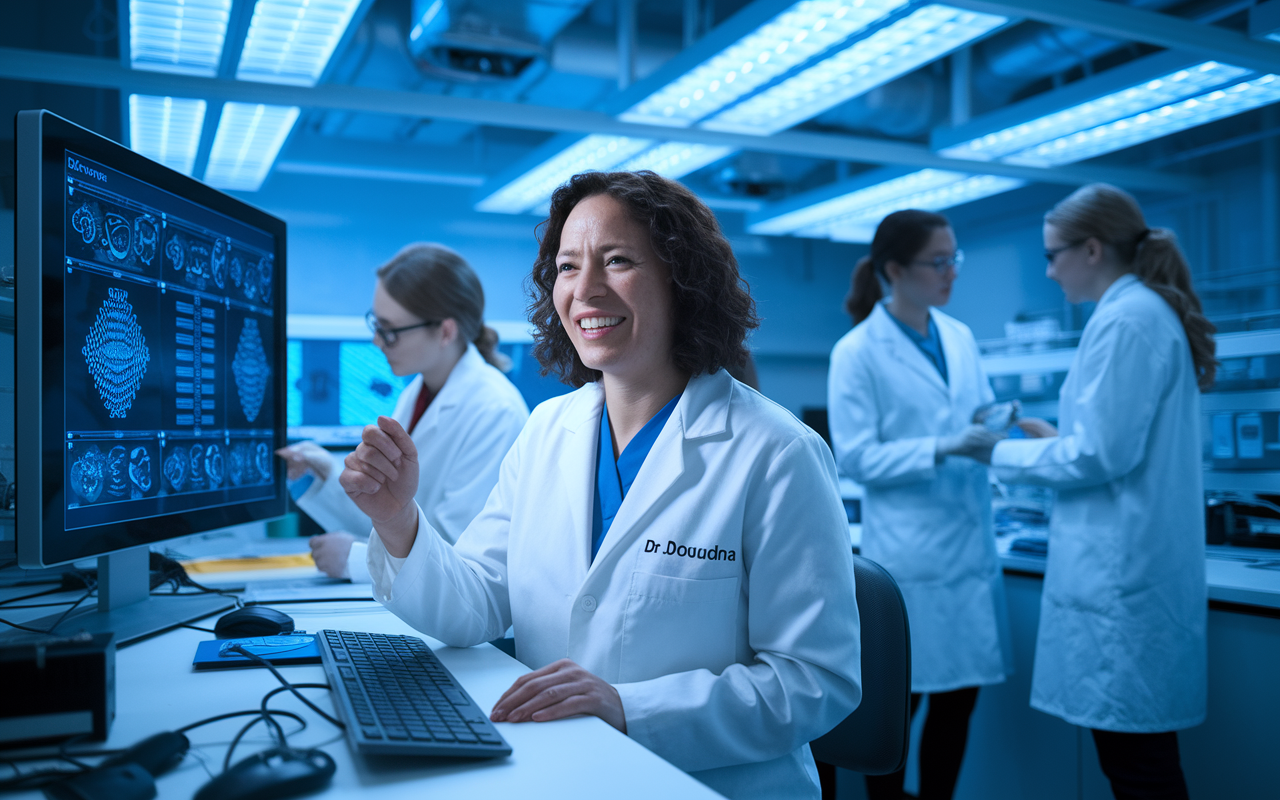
(614, 478)
(930, 345)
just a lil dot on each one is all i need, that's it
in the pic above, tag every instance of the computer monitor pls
(150, 352)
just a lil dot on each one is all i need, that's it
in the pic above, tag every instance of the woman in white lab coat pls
(1121, 647)
(669, 545)
(460, 409)
(902, 389)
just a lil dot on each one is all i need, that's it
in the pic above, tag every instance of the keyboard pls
(396, 698)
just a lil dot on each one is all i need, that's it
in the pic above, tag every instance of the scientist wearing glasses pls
(1122, 644)
(460, 410)
(902, 391)
(668, 544)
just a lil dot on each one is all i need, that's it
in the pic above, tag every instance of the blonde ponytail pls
(1113, 217)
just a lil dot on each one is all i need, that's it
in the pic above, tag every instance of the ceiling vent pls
(490, 41)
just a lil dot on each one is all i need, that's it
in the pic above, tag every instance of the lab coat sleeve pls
(327, 503)
(1119, 386)
(475, 469)
(802, 626)
(358, 563)
(458, 594)
(855, 420)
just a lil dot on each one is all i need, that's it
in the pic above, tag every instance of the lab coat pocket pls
(678, 624)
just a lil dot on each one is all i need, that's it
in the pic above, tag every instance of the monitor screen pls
(157, 345)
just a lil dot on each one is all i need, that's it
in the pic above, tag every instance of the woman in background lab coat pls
(461, 411)
(669, 545)
(1121, 647)
(902, 389)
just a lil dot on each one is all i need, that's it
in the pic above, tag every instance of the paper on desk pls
(207, 565)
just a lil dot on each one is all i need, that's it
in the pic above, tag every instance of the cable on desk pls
(284, 682)
(88, 593)
(197, 628)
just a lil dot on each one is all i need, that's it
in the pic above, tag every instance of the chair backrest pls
(873, 739)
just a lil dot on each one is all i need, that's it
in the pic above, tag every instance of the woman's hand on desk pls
(560, 690)
(381, 477)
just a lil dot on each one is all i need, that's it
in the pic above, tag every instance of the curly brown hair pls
(712, 304)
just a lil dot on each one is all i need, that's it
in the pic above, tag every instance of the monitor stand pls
(126, 605)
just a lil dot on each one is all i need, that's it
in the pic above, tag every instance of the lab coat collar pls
(453, 393)
(882, 328)
(1116, 289)
(702, 411)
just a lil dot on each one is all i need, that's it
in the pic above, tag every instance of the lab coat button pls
(588, 603)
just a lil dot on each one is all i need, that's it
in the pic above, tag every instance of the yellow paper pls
(238, 564)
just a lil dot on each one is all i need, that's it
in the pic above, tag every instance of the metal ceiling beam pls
(57, 68)
(1127, 24)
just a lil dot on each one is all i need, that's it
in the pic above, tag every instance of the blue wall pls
(341, 229)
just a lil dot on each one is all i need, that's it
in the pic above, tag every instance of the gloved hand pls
(975, 441)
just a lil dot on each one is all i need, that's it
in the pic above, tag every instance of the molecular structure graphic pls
(251, 369)
(116, 353)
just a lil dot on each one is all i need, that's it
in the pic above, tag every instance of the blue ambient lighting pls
(182, 36)
(291, 41)
(788, 40)
(852, 216)
(533, 188)
(674, 160)
(166, 129)
(919, 38)
(247, 141)
(1160, 93)
(1153, 124)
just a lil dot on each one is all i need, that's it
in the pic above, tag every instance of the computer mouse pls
(271, 775)
(252, 621)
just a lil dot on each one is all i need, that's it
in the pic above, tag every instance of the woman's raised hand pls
(381, 476)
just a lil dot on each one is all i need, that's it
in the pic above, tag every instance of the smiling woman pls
(711, 307)
(668, 545)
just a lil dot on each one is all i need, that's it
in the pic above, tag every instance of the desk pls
(156, 689)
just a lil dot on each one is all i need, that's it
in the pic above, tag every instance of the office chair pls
(873, 739)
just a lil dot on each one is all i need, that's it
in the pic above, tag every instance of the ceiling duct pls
(491, 41)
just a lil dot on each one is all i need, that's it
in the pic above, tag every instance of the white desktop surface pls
(156, 689)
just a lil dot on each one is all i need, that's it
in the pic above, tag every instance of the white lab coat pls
(729, 654)
(462, 438)
(928, 524)
(1122, 621)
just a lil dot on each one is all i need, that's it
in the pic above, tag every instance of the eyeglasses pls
(943, 263)
(390, 335)
(1052, 253)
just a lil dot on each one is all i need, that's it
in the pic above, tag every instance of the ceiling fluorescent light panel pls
(246, 144)
(674, 160)
(181, 36)
(852, 216)
(921, 37)
(166, 129)
(803, 31)
(291, 41)
(1119, 105)
(1154, 124)
(595, 152)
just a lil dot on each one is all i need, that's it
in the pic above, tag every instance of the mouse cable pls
(265, 712)
(284, 681)
(197, 628)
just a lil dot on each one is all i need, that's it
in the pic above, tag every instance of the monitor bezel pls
(40, 505)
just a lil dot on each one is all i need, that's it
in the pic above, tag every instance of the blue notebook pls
(298, 647)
